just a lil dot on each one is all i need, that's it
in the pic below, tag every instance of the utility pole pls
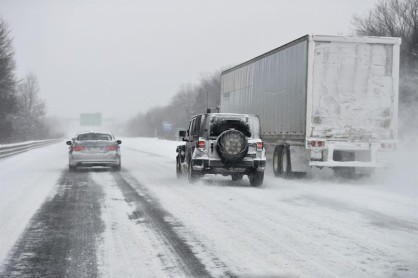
(207, 101)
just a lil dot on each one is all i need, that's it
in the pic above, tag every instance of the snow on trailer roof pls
(330, 38)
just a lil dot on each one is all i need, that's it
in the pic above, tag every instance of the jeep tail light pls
(78, 148)
(259, 146)
(201, 144)
(112, 148)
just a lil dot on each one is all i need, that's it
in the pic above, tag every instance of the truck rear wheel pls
(345, 172)
(286, 166)
(277, 161)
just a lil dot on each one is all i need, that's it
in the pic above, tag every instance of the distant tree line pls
(189, 100)
(22, 112)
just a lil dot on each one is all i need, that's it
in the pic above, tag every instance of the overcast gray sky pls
(123, 57)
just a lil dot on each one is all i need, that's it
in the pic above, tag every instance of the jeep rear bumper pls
(213, 166)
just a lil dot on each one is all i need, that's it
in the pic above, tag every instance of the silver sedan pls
(94, 149)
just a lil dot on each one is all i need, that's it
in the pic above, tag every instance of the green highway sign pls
(91, 119)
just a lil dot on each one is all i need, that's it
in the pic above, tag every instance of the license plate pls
(95, 149)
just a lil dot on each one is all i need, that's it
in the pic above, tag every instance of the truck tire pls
(256, 178)
(232, 146)
(277, 161)
(192, 175)
(345, 172)
(286, 168)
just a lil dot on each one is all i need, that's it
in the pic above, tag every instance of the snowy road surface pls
(143, 222)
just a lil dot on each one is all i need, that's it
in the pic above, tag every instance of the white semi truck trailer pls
(323, 101)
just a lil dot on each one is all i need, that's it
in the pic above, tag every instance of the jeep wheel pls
(192, 175)
(237, 177)
(277, 161)
(178, 168)
(232, 146)
(256, 178)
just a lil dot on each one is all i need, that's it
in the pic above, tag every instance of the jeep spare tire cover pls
(232, 145)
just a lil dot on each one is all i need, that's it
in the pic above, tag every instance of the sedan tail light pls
(112, 148)
(78, 148)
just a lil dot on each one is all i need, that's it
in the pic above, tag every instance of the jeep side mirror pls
(69, 143)
(119, 142)
(182, 133)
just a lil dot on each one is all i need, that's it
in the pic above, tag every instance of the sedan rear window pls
(94, 136)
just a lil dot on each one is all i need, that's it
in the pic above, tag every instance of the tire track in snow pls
(144, 152)
(62, 237)
(161, 223)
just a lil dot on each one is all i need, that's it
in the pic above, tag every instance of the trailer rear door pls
(354, 89)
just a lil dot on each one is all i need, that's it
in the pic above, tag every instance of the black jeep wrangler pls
(221, 143)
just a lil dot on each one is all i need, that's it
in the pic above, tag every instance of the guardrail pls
(8, 150)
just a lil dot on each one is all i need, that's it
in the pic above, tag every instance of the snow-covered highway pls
(144, 222)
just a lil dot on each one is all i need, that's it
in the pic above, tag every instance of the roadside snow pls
(25, 182)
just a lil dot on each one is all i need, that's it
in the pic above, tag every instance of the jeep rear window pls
(245, 124)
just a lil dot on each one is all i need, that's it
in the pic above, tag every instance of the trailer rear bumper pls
(349, 154)
(361, 164)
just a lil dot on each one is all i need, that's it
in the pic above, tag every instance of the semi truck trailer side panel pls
(273, 87)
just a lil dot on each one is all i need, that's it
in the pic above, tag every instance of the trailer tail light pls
(111, 148)
(78, 148)
(259, 146)
(388, 146)
(201, 144)
(316, 144)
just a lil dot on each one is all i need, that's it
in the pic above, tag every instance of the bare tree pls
(208, 92)
(189, 100)
(395, 18)
(31, 110)
(7, 83)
